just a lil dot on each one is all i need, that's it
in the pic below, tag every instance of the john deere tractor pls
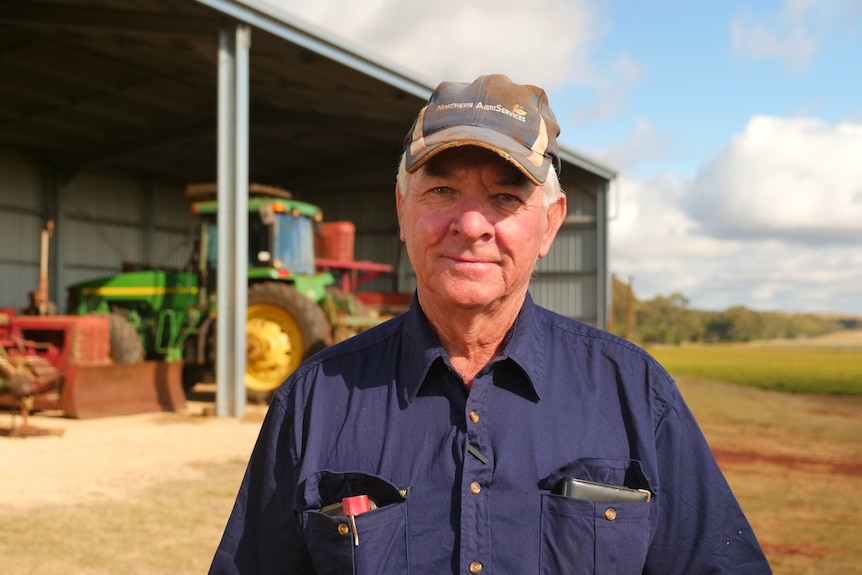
(294, 307)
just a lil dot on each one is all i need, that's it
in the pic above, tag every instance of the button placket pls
(476, 476)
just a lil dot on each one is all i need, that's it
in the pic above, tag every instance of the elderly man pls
(478, 432)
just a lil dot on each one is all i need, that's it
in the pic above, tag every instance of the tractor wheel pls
(126, 346)
(283, 328)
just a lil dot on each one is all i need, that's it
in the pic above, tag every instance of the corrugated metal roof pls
(130, 87)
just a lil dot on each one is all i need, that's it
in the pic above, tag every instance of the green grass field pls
(833, 370)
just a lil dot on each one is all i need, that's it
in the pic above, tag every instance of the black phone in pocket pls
(600, 492)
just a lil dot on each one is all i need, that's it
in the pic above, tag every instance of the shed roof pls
(130, 86)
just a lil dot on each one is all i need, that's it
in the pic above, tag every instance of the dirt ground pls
(794, 462)
(116, 457)
(762, 440)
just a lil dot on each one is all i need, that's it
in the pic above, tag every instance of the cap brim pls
(533, 165)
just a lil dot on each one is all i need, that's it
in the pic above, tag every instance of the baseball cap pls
(513, 120)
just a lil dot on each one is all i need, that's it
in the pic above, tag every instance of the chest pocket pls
(581, 537)
(331, 539)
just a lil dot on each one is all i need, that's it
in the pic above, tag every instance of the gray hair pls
(551, 187)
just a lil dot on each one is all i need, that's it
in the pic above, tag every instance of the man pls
(478, 432)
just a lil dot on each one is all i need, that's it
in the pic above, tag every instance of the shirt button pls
(610, 513)
(475, 567)
(343, 529)
(474, 417)
(475, 488)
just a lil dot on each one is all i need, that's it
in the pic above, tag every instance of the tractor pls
(299, 300)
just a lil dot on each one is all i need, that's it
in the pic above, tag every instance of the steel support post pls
(232, 278)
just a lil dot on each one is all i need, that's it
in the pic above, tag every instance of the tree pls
(668, 320)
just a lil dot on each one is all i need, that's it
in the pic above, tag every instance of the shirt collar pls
(421, 348)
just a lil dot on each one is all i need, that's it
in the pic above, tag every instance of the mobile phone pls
(591, 491)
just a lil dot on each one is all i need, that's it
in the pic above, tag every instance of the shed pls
(109, 109)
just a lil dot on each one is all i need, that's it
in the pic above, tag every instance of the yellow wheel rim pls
(274, 347)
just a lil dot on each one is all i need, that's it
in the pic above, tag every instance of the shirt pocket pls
(331, 540)
(587, 537)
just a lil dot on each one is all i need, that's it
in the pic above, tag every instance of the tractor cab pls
(281, 241)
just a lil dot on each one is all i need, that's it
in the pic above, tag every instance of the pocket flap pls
(327, 487)
(621, 472)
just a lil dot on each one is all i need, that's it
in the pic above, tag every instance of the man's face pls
(474, 227)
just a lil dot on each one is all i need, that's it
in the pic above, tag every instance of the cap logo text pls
(517, 112)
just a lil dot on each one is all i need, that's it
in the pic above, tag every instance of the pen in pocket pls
(351, 507)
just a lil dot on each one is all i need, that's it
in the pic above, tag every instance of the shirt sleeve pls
(700, 527)
(262, 535)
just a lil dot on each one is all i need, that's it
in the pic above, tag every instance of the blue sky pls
(735, 126)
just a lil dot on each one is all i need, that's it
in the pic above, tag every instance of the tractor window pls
(295, 244)
(211, 237)
(293, 249)
(259, 243)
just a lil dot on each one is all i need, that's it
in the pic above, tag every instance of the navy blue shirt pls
(464, 482)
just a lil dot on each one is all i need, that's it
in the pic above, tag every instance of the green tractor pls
(296, 306)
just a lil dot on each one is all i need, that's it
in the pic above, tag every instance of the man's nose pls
(472, 220)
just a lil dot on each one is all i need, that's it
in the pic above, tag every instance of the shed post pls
(232, 278)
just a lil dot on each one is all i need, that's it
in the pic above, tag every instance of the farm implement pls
(65, 363)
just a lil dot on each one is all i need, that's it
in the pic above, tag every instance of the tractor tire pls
(192, 375)
(283, 329)
(126, 346)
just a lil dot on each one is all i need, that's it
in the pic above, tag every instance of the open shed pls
(109, 109)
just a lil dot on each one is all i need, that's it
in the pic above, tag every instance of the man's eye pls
(508, 198)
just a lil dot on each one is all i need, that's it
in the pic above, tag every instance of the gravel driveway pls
(115, 457)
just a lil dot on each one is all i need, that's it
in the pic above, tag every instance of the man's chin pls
(471, 296)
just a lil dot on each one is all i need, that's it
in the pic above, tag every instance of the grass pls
(799, 369)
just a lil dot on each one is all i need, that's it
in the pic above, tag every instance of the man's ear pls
(556, 215)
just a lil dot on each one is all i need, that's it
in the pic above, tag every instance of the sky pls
(735, 126)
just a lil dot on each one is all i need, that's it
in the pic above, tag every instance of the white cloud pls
(788, 40)
(776, 276)
(759, 42)
(651, 222)
(655, 242)
(793, 179)
(773, 222)
(793, 36)
(644, 145)
(544, 43)
(612, 86)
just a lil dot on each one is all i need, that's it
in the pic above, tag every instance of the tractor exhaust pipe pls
(42, 291)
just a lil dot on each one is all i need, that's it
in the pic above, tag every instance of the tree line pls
(669, 319)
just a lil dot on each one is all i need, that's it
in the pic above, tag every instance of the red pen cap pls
(356, 505)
